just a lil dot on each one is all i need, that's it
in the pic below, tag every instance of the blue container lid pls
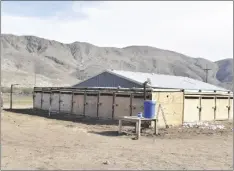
(150, 101)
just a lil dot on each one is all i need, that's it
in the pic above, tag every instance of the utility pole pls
(206, 70)
(35, 74)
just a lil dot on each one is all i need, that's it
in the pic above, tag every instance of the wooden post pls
(156, 126)
(200, 108)
(11, 96)
(41, 99)
(130, 104)
(85, 94)
(145, 84)
(183, 109)
(136, 126)
(50, 102)
(120, 126)
(50, 98)
(72, 102)
(34, 95)
(113, 106)
(59, 101)
(229, 104)
(98, 103)
(215, 98)
(139, 129)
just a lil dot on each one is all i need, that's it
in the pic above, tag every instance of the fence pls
(20, 97)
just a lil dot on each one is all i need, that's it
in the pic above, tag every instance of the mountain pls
(59, 64)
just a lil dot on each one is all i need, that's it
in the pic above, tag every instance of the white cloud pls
(199, 29)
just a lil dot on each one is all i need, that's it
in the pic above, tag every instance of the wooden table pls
(138, 121)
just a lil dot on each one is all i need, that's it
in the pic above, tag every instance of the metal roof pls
(165, 81)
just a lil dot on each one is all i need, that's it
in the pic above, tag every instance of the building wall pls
(172, 105)
(107, 80)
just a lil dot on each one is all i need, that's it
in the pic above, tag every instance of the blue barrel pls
(149, 109)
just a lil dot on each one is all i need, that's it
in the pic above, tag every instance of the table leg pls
(156, 127)
(136, 126)
(139, 129)
(120, 126)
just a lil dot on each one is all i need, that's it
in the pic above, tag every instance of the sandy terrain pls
(37, 142)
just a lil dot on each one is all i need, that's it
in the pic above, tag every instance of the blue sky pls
(46, 9)
(35, 8)
(198, 29)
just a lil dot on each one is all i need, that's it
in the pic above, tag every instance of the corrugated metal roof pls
(166, 81)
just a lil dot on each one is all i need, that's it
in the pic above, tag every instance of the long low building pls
(112, 93)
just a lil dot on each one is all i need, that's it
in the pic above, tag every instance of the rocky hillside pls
(59, 64)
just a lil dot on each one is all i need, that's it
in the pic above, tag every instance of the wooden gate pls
(222, 104)
(191, 108)
(78, 104)
(208, 108)
(55, 101)
(45, 101)
(66, 101)
(122, 105)
(91, 105)
(37, 100)
(137, 104)
(105, 105)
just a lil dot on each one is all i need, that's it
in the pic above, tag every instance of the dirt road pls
(34, 142)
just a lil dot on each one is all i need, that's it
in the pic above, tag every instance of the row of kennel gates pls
(91, 103)
(179, 106)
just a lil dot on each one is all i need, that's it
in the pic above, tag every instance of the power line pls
(206, 70)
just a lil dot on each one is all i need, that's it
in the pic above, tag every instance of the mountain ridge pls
(61, 64)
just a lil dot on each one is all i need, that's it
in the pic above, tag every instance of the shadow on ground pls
(106, 133)
(64, 117)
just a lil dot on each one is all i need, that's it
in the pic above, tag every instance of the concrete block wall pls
(172, 105)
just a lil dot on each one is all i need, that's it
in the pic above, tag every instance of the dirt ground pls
(30, 140)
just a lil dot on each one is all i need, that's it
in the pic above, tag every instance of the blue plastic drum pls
(149, 109)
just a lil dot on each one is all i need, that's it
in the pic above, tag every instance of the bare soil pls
(30, 140)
